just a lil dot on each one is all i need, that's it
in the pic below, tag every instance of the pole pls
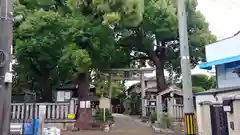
(6, 21)
(104, 115)
(189, 118)
(110, 90)
(143, 94)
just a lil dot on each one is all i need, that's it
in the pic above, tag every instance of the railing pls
(177, 111)
(54, 111)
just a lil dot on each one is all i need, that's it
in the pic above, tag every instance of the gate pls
(218, 120)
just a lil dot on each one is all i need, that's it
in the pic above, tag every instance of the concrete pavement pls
(124, 125)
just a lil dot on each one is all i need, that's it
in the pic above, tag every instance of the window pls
(237, 71)
(230, 69)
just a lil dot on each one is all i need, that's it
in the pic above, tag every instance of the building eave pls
(208, 65)
(218, 90)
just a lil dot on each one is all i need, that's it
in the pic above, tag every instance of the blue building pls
(224, 57)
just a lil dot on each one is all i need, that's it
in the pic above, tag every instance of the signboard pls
(227, 108)
(8, 77)
(152, 103)
(67, 95)
(88, 104)
(60, 96)
(16, 128)
(85, 104)
(82, 104)
(104, 103)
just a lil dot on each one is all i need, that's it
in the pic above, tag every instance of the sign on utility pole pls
(189, 117)
(6, 21)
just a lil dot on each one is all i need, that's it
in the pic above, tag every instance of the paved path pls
(124, 125)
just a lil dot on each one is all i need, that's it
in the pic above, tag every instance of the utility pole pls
(110, 90)
(189, 117)
(143, 94)
(6, 20)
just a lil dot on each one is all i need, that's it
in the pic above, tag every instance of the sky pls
(222, 16)
(223, 19)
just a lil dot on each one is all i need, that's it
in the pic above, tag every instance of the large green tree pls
(202, 82)
(156, 38)
(66, 38)
(58, 41)
(38, 47)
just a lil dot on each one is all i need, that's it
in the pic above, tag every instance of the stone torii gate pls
(128, 76)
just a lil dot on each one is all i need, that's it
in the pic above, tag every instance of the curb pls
(159, 131)
(155, 129)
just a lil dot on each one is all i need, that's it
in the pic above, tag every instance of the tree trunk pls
(160, 77)
(84, 115)
(46, 93)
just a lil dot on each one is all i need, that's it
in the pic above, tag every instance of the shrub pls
(153, 117)
(165, 121)
(99, 116)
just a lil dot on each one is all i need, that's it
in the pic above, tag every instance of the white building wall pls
(223, 49)
(151, 84)
(217, 99)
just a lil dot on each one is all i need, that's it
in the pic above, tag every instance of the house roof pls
(137, 84)
(218, 90)
(174, 89)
